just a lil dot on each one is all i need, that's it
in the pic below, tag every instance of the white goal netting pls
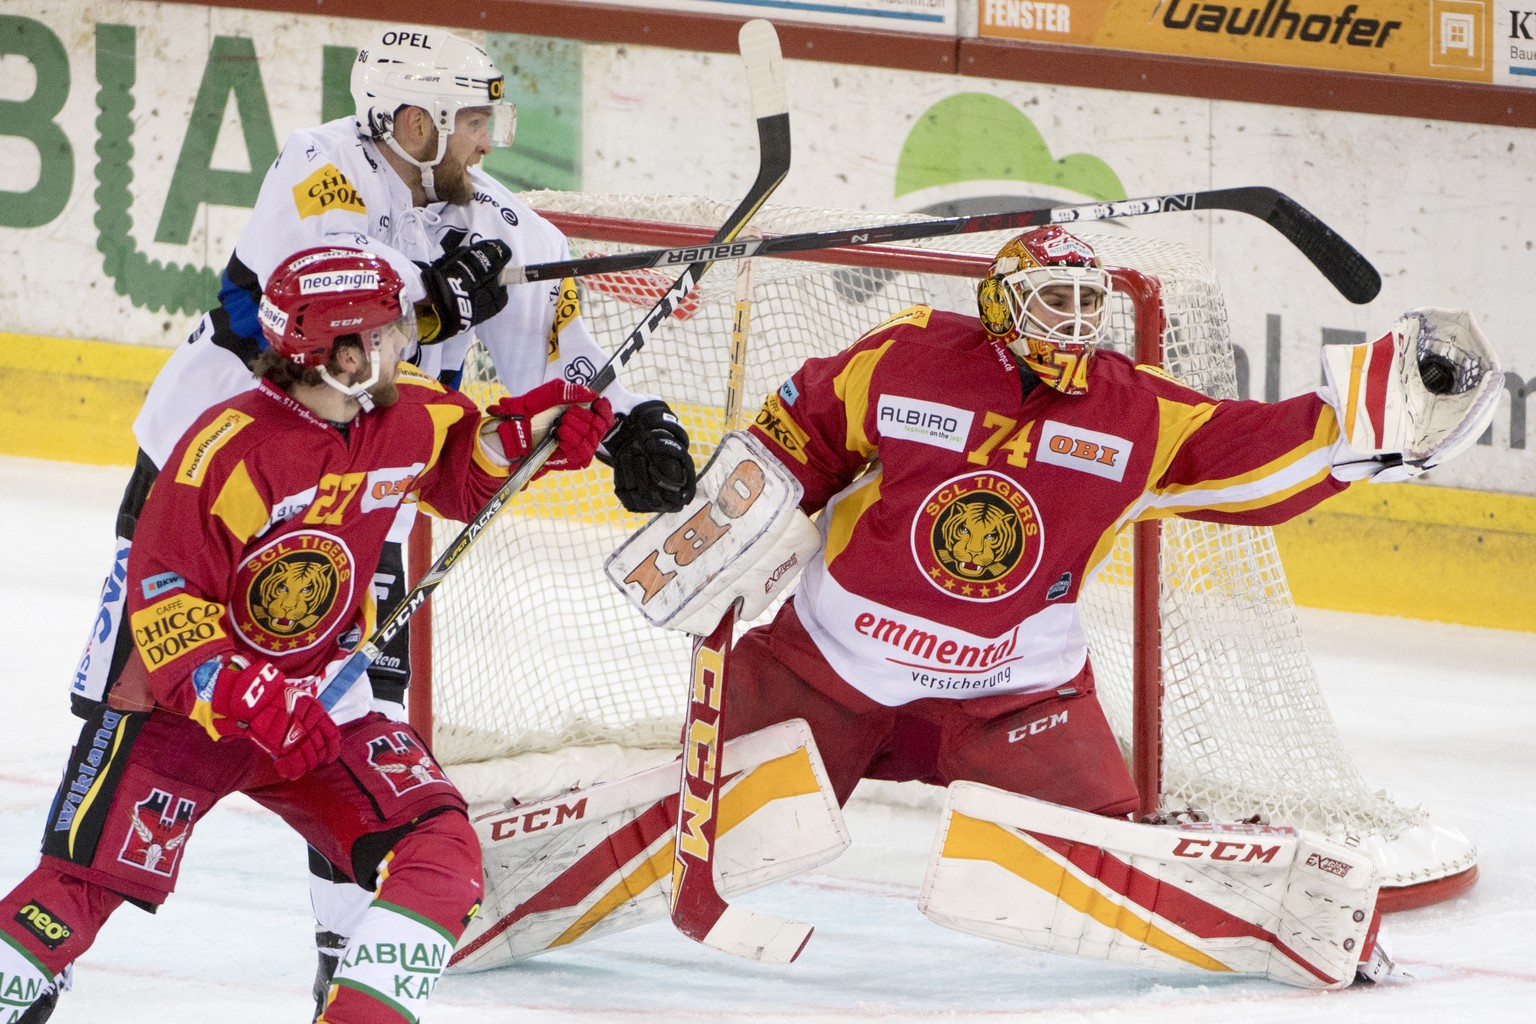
(536, 656)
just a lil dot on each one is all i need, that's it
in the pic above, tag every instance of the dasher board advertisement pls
(1489, 41)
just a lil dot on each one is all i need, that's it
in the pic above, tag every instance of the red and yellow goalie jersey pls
(261, 534)
(962, 518)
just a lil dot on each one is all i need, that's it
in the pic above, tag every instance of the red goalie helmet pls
(1044, 297)
(319, 295)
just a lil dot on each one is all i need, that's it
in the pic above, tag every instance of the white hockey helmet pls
(431, 69)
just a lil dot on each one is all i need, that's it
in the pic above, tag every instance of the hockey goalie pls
(969, 475)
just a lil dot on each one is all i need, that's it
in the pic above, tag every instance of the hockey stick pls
(1341, 263)
(770, 106)
(699, 911)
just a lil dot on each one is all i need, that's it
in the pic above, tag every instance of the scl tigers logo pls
(293, 591)
(977, 537)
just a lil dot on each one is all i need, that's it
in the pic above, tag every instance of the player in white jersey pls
(399, 178)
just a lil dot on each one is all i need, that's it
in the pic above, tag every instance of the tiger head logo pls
(294, 591)
(977, 538)
(980, 539)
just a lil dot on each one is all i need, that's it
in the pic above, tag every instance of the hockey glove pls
(463, 289)
(652, 470)
(238, 697)
(584, 418)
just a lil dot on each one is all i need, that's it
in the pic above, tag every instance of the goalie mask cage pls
(532, 673)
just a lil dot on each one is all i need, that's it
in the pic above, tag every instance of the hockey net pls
(534, 674)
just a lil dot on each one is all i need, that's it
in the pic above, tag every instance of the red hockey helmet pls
(319, 295)
(1044, 297)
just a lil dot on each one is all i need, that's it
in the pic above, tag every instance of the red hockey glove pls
(236, 697)
(585, 419)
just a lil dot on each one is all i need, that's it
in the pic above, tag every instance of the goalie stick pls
(1341, 263)
(770, 106)
(699, 911)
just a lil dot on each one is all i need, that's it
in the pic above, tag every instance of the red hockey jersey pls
(962, 517)
(262, 531)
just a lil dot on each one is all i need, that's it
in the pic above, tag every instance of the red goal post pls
(531, 674)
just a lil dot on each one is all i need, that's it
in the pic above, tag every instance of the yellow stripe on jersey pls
(852, 389)
(846, 513)
(240, 506)
(412, 375)
(195, 460)
(1275, 481)
(444, 416)
(102, 774)
(916, 316)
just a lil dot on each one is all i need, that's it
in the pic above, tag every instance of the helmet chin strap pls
(428, 182)
(358, 391)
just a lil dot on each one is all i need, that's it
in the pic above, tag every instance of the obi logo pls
(1084, 450)
(158, 828)
(977, 537)
(325, 190)
(44, 925)
(403, 762)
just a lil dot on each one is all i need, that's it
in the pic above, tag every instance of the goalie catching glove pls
(652, 470)
(237, 696)
(578, 415)
(463, 289)
(1417, 396)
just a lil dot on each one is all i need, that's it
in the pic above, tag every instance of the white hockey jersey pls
(330, 187)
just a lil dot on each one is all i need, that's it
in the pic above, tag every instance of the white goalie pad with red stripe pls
(1241, 899)
(742, 537)
(599, 860)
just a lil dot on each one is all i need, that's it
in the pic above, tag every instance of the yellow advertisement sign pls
(1440, 39)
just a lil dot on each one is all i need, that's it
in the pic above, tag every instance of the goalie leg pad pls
(1245, 899)
(599, 860)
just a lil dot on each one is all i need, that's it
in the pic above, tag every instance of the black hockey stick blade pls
(770, 106)
(1341, 263)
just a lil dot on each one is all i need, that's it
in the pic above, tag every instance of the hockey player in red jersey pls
(401, 177)
(247, 585)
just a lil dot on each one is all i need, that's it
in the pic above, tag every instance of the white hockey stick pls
(770, 106)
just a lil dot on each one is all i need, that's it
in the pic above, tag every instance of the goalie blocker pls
(1291, 906)
(743, 536)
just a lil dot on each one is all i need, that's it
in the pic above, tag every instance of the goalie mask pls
(318, 297)
(436, 71)
(1044, 298)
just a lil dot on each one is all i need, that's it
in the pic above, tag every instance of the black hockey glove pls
(652, 470)
(463, 289)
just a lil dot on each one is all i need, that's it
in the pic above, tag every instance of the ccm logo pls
(1037, 727)
(1222, 849)
(537, 820)
(1329, 864)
